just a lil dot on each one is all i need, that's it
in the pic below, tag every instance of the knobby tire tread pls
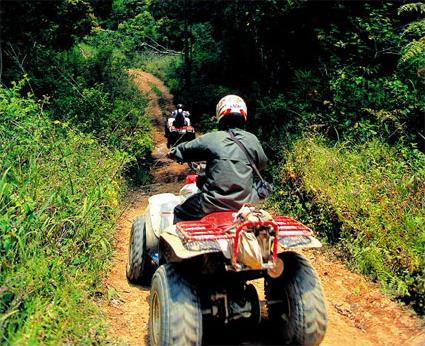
(307, 320)
(183, 315)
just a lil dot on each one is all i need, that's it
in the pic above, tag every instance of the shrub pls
(103, 100)
(89, 87)
(59, 192)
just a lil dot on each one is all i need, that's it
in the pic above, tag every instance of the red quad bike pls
(199, 273)
(178, 134)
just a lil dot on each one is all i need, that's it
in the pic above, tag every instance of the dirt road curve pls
(358, 313)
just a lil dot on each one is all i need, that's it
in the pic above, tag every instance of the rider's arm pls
(196, 150)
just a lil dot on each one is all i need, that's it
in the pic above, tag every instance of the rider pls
(229, 177)
(179, 116)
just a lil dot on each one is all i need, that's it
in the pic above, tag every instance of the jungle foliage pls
(335, 92)
(350, 68)
(69, 132)
(70, 56)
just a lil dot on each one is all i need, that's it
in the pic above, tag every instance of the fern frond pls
(413, 50)
(416, 28)
(412, 7)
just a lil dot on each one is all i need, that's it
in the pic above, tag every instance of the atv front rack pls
(205, 230)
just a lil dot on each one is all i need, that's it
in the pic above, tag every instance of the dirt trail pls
(358, 314)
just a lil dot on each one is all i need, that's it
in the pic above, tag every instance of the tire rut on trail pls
(358, 313)
(160, 104)
(127, 309)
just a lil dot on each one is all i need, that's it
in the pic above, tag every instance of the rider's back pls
(229, 176)
(179, 119)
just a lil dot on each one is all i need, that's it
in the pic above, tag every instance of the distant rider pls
(229, 177)
(180, 116)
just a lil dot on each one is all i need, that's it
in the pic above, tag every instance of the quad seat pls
(222, 219)
(211, 227)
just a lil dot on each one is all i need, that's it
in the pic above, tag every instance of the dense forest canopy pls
(337, 64)
(335, 91)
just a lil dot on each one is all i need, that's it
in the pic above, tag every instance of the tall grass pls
(162, 66)
(368, 199)
(59, 192)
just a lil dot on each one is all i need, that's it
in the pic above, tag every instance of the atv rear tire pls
(297, 306)
(139, 266)
(175, 316)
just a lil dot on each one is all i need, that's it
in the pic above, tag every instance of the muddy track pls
(358, 313)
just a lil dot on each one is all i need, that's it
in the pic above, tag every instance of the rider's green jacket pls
(229, 177)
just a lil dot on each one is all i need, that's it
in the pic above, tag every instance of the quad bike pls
(176, 134)
(199, 274)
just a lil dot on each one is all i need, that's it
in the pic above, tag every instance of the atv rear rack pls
(182, 128)
(283, 226)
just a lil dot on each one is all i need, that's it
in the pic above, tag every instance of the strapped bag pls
(264, 189)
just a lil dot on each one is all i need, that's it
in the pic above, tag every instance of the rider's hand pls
(172, 155)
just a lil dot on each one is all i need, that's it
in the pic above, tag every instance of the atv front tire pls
(175, 316)
(297, 306)
(139, 266)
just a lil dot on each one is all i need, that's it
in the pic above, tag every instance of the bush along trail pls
(359, 314)
(58, 195)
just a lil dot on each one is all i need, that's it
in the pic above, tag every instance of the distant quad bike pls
(199, 270)
(178, 131)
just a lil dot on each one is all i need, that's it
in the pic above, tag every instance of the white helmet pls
(231, 104)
